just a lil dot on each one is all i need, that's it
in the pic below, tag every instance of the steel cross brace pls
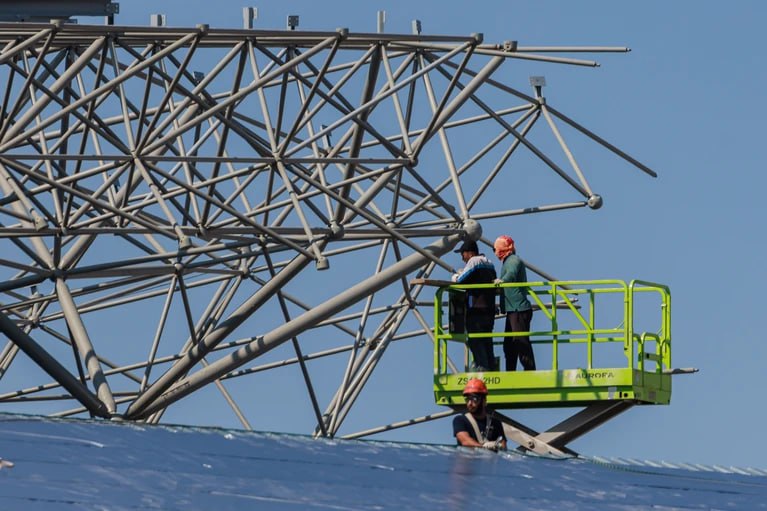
(53, 367)
(554, 440)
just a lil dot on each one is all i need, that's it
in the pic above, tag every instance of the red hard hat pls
(475, 386)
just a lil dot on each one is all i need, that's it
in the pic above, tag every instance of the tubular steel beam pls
(189, 176)
(195, 354)
(84, 346)
(51, 366)
(397, 425)
(293, 327)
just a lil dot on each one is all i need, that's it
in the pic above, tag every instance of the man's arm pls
(461, 432)
(475, 264)
(462, 273)
(465, 439)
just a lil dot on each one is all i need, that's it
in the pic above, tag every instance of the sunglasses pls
(474, 397)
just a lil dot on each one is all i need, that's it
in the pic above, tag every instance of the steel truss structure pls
(186, 207)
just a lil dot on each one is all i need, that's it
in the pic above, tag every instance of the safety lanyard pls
(480, 437)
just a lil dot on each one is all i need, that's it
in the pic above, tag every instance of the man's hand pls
(493, 446)
(497, 281)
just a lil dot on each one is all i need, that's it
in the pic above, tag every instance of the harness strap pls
(480, 437)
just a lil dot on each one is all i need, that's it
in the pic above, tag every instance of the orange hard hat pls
(475, 386)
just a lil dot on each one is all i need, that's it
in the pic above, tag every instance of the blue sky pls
(688, 101)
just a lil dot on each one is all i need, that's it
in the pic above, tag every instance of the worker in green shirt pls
(514, 302)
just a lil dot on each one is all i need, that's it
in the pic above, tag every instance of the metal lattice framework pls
(183, 207)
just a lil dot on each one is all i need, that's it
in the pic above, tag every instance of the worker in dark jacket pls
(475, 428)
(480, 306)
(514, 302)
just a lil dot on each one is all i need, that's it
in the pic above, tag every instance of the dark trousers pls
(480, 320)
(518, 347)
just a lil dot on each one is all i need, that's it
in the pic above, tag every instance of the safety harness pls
(488, 427)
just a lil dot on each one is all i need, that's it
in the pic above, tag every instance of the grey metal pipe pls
(51, 366)
(10, 52)
(466, 92)
(84, 344)
(193, 356)
(63, 80)
(402, 424)
(283, 333)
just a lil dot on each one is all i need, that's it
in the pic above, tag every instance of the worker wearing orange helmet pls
(476, 428)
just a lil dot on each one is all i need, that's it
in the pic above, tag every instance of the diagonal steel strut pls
(51, 366)
(291, 328)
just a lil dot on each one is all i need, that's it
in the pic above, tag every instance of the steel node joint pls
(337, 231)
(509, 46)
(472, 228)
(343, 33)
(39, 222)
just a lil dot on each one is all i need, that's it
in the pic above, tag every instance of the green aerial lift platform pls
(608, 342)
